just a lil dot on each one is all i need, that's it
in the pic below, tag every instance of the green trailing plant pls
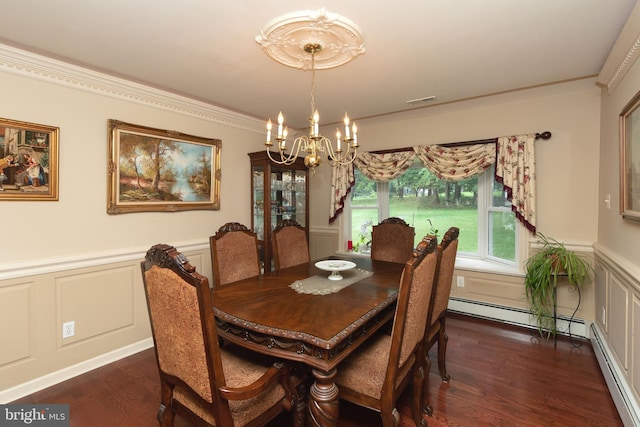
(543, 268)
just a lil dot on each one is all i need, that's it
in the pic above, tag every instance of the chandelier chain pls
(313, 83)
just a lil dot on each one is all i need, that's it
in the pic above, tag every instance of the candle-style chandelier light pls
(292, 40)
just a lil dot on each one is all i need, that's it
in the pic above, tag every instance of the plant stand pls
(555, 311)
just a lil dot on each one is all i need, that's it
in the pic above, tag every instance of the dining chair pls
(376, 374)
(234, 254)
(392, 240)
(199, 381)
(436, 331)
(290, 246)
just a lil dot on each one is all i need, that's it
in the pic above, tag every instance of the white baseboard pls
(30, 387)
(516, 316)
(628, 408)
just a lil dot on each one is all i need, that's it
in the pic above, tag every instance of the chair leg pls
(443, 338)
(160, 413)
(300, 408)
(417, 385)
(166, 415)
(390, 418)
(427, 411)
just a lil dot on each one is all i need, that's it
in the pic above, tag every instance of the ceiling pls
(450, 49)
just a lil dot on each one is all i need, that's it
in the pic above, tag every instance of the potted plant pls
(551, 260)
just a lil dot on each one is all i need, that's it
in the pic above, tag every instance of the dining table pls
(300, 315)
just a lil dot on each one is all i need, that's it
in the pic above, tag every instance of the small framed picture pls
(630, 160)
(28, 161)
(153, 170)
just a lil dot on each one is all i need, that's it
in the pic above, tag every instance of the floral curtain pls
(384, 167)
(515, 169)
(378, 167)
(342, 179)
(514, 157)
(457, 163)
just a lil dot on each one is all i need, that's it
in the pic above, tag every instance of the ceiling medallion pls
(284, 39)
(312, 40)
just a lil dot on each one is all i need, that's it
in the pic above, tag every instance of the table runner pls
(321, 285)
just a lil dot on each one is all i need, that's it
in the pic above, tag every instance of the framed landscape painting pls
(28, 161)
(630, 160)
(153, 170)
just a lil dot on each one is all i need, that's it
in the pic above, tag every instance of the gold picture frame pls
(153, 170)
(630, 160)
(28, 161)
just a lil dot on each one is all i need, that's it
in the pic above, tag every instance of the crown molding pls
(623, 54)
(28, 64)
(611, 81)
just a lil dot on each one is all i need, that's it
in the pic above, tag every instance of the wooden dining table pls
(267, 315)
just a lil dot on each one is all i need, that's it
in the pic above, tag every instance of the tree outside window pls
(477, 206)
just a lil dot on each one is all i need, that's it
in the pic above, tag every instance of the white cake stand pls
(335, 266)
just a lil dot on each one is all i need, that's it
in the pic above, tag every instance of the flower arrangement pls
(432, 230)
(363, 244)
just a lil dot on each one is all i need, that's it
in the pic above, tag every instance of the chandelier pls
(292, 40)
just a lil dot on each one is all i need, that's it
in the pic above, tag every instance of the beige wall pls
(78, 223)
(617, 250)
(565, 164)
(70, 260)
(619, 236)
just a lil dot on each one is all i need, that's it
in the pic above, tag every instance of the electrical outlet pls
(460, 281)
(68, 329)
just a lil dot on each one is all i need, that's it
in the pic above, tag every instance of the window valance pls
(457, 163)
(384, 167)
(514, 157)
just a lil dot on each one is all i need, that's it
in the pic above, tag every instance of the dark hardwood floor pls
(501, 375)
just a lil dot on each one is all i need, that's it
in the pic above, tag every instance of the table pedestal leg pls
(323, 402)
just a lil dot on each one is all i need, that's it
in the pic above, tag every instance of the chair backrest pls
(392, 240)
(234, 254)
(414, 294)
(183, 326)
(446, 264)
(290, 245)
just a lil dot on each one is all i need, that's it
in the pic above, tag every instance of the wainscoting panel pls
(323, 242)
(97, 302)
(619, 319)
(618, 346)
(15, 309)
(103, 295)
(635, 345)
(495, 289)
(602, 296)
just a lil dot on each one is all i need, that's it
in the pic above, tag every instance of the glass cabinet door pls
(258, 201)
(288, 196)
(278, 192)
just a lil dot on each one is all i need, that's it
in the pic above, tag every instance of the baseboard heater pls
(515, 316)
(620, 393)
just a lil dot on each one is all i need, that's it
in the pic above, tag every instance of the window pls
(478, 206)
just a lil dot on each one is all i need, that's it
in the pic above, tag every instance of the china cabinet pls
(278, 192)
